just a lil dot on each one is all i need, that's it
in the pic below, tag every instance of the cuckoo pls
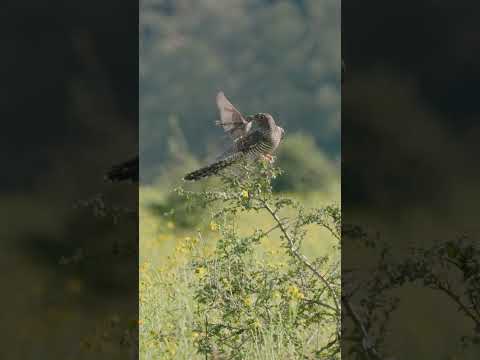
(254, 137)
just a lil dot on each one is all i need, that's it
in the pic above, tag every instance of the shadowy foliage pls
(449, 268)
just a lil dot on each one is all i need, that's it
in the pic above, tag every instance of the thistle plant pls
(243, 301)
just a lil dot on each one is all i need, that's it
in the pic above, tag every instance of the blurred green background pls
(281, 57)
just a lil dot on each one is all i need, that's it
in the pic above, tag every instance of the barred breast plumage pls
(253, 137)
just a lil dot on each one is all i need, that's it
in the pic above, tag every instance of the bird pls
(254, 137)
(127, 170)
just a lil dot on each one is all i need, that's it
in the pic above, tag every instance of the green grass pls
(166, 298)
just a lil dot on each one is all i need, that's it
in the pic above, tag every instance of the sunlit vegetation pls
(258, 277)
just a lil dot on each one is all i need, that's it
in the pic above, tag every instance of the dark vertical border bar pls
(69, 108)
(410, 180)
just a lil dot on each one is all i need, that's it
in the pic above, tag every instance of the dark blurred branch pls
(367, 342)
(127, 170)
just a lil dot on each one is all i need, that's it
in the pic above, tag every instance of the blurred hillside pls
(281, 57)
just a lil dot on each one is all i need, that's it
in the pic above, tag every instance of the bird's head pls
(264, 120)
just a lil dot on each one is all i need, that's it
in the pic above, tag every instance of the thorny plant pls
(450, 268)
(242, 299)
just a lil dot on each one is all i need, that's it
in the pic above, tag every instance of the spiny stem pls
(299, 256)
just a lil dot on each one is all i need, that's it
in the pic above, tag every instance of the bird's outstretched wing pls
(231, 119)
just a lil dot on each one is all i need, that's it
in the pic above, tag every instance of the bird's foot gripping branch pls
(245, 300)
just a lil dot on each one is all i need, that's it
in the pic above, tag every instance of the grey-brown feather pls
(251, 146)
(211, 169)
(252, 138)
(231, 119)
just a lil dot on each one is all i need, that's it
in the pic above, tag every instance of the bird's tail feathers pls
(210, 169)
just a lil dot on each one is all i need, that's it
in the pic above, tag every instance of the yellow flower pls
(257, 324)
(226, 283)
(195, 335)
(245, 194)
(201, 272)
(248, 300)
(295, 293)
(213, 226)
